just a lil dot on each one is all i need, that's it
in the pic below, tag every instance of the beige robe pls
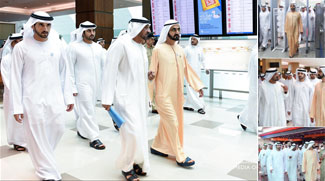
(322, 165)
(169, 84)
(293, 27)
(317, 110)
(310, 165)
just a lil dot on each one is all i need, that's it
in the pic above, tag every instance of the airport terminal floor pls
(221, 149)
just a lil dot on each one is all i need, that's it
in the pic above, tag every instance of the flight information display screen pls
(160, 13)
(239, 15)
(210, 17)
(183, 11)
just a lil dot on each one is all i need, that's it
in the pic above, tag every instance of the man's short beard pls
(175, 38)
(89, 38)
(40, 35)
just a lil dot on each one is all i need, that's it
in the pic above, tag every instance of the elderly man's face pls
(174, 32)
(42, 29)
(293, 7)
(276, 77)
(145, 32)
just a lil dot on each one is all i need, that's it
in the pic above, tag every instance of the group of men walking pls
(43, 79)
(291, 161)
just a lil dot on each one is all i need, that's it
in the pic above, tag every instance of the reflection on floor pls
(214, 140)
(268, 53)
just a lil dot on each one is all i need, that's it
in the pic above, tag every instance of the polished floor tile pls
(215, 141)
(207, 124)
(6, 151)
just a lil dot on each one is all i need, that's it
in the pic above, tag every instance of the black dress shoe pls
(154, 111)
(201, 111)
(188, 108)
(244, 127)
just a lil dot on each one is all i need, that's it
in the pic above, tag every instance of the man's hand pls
(201, 93)
(285, 88)
(75, 94)
(151, 75)
(19, 117)
(312, 120)
(69, 107)
(107, 107)
(271, 170)
(207, 72)
(289, 113)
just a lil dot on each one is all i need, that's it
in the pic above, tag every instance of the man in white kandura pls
(247, 117)
(313, 77)
(41, 92)
(278, 164)
(272, 95)
(15, 130)
(265, 27)
(195, 57)
(292, 160)
(289, 82)
(269, 151)
(125, 84)
(302, 97)
(262, 160)
(85, 58)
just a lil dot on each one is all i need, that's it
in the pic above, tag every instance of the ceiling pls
(315, 62)
(16, 10)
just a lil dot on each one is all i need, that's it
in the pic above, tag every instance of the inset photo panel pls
(291, 29)
(294, 154)
(291, 92)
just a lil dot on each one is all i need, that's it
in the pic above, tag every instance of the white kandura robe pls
(41, 89)
(268, 153)
(15, 130)
(272, 98)
(314, 82)
(195, 57)
(125, 85)
(302, 97)
(265, 27)
(262, 159)
(85, 62)
(100, 68)
(292, 164)
(311, 27)
(304, 24)
(248, 115)
(278, 165)
(288, 101)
